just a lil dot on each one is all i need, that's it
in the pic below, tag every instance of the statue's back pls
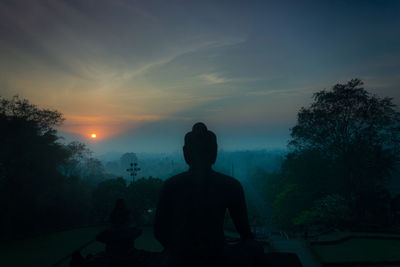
(191, 212)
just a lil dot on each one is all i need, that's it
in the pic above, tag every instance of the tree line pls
(46, 185)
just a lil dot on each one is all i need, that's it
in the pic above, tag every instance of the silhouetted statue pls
(120, 214)
(120, 236)
(119, 239)
(191, 209)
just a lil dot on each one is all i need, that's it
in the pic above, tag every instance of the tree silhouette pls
(346, 143)
(40, 178)
(352, 127)
(345, 116)
(20, 109)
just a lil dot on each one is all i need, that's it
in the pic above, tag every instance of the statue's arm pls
(238, 212)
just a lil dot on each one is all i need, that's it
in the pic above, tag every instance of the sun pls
(93, 136)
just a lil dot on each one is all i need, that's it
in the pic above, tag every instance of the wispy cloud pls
(214, 78)
(283, 91)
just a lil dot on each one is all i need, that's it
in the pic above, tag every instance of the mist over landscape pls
(235, 163)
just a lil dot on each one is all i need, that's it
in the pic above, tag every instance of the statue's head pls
(200, 149)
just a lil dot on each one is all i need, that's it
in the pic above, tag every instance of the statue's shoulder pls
(226, 179)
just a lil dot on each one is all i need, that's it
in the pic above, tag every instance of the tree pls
(345, 118)
(345, 143)
(142, 198)
(28, 139)
(29, 159)
(332, 211)
(78, 154)
(346, 114)
(20, 109)
(105, 195)
(39, 186)
(357, 130)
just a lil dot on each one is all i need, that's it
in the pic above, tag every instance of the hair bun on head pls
(199, 128)
(200, 136)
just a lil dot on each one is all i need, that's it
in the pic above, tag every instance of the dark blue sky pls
(140, 73)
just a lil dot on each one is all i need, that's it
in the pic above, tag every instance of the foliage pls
(345, 144)
(80, 163)
(357, 131)
(142, 198)
(20, 109)
(346, 116)
(28, 140)
(265, 182)
(284, 208)
(78, 153)
(39, 189)
(105, 195)
(46, 185)
(331, 211)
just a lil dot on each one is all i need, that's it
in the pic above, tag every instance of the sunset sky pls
(140, 73)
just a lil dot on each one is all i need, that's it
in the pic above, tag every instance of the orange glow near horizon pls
(101, 131)
(103, 127)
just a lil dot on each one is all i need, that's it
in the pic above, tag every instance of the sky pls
(139, 74)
